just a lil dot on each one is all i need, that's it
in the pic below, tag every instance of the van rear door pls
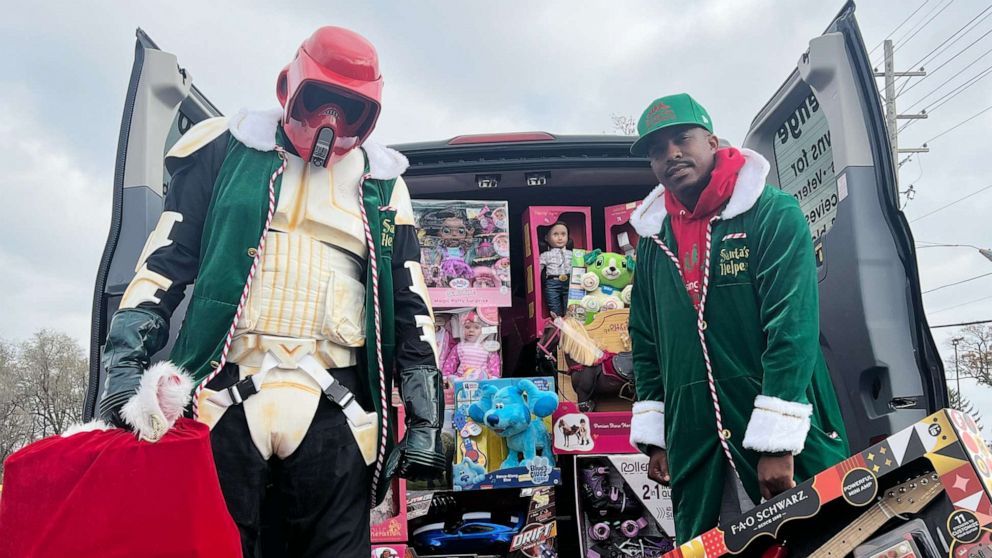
(824, 133)
(160, 106)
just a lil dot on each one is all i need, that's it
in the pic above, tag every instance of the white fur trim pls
(256, 128)
(90, 426)
(384, 163)
(777, 425)
(648, 218)
(647, 424)
(751, 182)
(164, 391)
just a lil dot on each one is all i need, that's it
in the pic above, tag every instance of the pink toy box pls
(464, 251)
(389, 518)
(536, 222)
(389, 551)
(578, 433)
(621, 238)
(468, 343)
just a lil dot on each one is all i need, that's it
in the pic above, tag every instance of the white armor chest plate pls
(307, 298)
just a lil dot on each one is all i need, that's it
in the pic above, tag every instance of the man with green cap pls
(734, 402)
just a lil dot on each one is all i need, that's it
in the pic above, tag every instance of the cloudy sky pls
(452, 68)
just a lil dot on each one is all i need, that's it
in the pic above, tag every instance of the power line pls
(960, 29)
(946, 81)
(962, 123)
(962, 304)
(962, 324)
(957, 283)
(902, 42)
(910, 16)
(951, 59)
(953, 93)
(959, 200)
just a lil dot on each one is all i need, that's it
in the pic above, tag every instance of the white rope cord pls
(701, 329)
(244, 293)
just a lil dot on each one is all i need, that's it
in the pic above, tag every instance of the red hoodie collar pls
(717, 192)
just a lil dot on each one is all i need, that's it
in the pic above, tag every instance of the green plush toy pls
(606, 282)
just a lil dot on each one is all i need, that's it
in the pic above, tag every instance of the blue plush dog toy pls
(518, 419)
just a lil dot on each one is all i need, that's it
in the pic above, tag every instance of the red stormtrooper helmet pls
(330, 94)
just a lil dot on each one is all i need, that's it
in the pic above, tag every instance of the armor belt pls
(361, 423)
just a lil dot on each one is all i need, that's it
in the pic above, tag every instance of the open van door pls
(824, 133)
(161, 105)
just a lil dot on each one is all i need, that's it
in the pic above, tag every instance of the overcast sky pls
(452, 68)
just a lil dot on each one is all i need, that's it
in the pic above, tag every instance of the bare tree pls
(624, 125)
(42, 386)
(975, 353)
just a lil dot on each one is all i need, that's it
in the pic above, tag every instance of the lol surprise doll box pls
(538, 223)
(464, 251)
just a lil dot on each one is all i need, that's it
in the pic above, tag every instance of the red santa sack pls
(105, 494)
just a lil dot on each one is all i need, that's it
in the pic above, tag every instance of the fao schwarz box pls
(923, 491)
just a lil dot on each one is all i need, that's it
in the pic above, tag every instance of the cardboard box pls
(620, 234)
(464, 251)
(483, 458)
(389, 551)
(601, 432)
(478, 358)
(942, 457)
(391, 513)
(514, 523)
(536, 221)
(619, 508)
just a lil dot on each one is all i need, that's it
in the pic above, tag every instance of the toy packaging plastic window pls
(503, 433)
(464, 251)
(468, 342)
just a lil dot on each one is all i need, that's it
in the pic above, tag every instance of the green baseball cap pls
(673, 110)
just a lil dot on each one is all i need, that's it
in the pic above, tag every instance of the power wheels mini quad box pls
(537, 221)
(936, 473)
(503, 434)
(464, 251)
(620, 509)
(513, 523)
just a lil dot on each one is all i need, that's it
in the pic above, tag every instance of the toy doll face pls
(454, 230)
(471, 331)
(557, 236)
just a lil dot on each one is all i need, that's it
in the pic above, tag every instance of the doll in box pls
(455, 238)
(556, 265)
(471, 358)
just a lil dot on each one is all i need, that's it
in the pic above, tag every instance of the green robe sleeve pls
(784, 271)
(647, 425)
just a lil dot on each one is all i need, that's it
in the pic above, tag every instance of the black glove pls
(420, 454)
(134, 336)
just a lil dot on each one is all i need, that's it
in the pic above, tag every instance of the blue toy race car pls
(474, 534)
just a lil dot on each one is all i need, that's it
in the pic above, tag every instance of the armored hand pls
(420, 454)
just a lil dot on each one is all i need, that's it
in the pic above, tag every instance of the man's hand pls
(658, 466)
(775, 474)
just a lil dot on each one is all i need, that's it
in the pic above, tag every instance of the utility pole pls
(892, 116)
(957, 371)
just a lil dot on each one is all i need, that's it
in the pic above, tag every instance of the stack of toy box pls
(389, 519)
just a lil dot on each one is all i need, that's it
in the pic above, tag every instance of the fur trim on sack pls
(777, 425)
(649, 217)
(90, 426)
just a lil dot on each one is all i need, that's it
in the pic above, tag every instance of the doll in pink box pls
(474, 357)
(556, 264)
